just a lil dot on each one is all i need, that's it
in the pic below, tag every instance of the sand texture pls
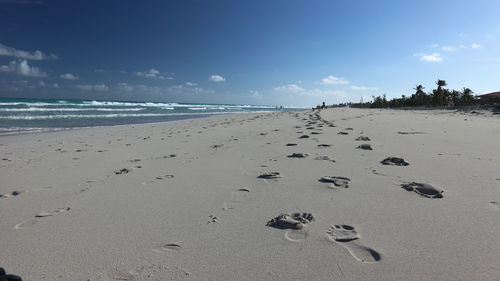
(271, 196)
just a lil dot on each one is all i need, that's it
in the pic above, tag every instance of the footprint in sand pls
(122, 171)
(394, 161)
(362, 138)
(212, 219)
(168, 248)
(19, 192)
(291, 144)
(237, 196)
(295, 225)
(336, 181)
(165, 177)
(304, 137)
(325, 158)
(423, 189)
(495, 204)
(270, 175)
(298, 155)
(324, 145)
(365, 147)
(31, 222)
(347, 236)
(12, 194)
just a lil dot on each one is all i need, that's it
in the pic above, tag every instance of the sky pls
(272, 52)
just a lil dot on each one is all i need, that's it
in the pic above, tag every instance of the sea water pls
(19, 116)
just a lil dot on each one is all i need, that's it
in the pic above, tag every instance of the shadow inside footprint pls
(337, 181)
(423, 189)
(270, 175)
(394, 161)
(363, 138)
(297, 155)
(347, 236)
(171, 247)
(291, 221)
(365, 147)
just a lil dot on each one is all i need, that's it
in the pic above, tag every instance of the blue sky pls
(275, 52)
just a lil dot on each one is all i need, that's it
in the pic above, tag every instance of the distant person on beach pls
(323, 106)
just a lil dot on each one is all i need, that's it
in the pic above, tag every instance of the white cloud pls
(96, 87)
(434, 46)
(36, 55)
(434, 57)
(448, 48)
(362, 88)
(293, 89)
(332, 80)
(290, 88)
(41, 84)
(191, 90)
(255, 94)
(475, 46)
(154, 74)
(462, 46)
(69, 76)
(22, 68)
(55, 85)
(191, 84)
(216, 78)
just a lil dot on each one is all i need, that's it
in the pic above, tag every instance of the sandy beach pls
(298, 195)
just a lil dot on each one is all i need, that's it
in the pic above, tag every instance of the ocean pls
(18, 116)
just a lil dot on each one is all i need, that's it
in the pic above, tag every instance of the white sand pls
(74, 219)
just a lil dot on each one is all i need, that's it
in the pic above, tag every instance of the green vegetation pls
(439, 97)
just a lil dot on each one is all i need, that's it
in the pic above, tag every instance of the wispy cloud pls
(69, 76)
(255, 94)
(191, 84)
(475, 46)
(332, 80)
(22, 68)
(13, 52)
(181, 89)
(448, 48)
(294, 88)
(154, 74)
(320, 94)
(362, 88)
(434, 57)
(216, 78)
(96, 87)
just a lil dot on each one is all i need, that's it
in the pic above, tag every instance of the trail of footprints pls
(296, 224)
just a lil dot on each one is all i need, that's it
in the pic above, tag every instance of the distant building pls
(490, 98)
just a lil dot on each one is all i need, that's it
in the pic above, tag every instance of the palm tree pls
(439, 95)
(420, 94)
(466, 96)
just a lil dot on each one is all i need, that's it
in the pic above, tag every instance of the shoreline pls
(196, 199)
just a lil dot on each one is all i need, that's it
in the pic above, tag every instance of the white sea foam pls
(84, 116)
(67, 109)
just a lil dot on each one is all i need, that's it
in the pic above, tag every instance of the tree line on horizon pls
(438, 97)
